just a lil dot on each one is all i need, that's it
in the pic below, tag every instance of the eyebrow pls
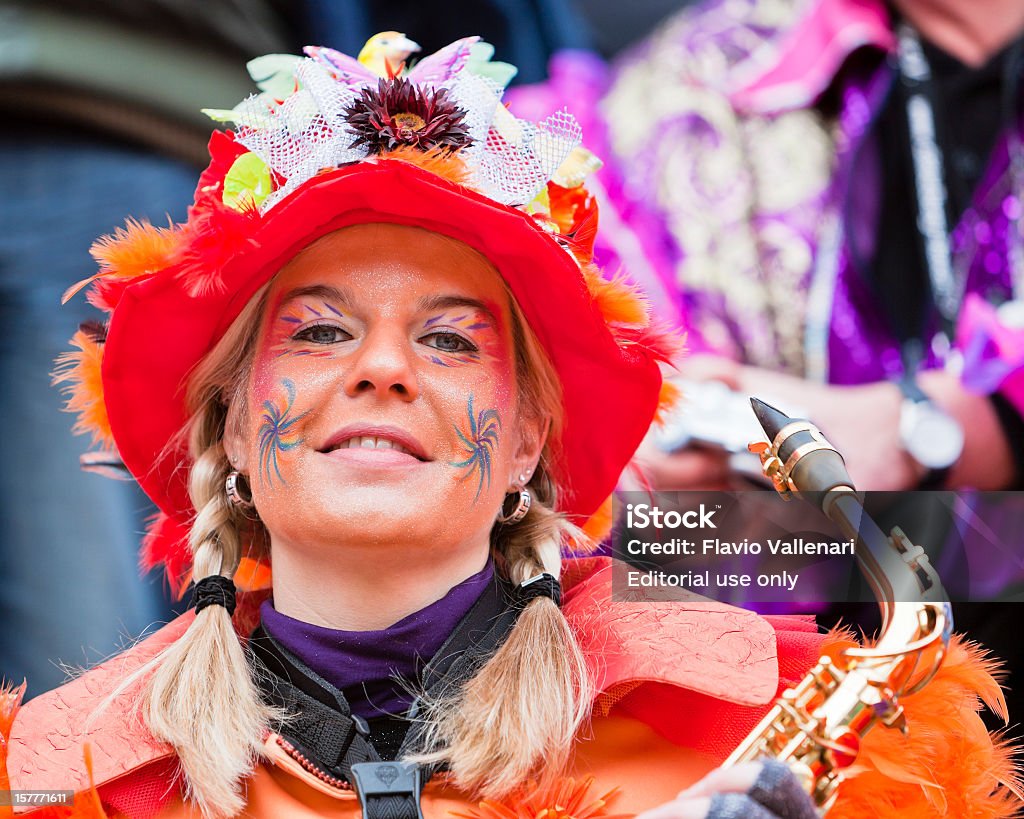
(430, 303)
(344, 297)
(339, 295)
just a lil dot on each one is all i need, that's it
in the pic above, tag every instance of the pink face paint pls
(459, 336)
(299, 315)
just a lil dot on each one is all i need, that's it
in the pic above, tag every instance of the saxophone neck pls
(799, 459)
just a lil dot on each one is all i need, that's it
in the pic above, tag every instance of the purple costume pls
(742, 201)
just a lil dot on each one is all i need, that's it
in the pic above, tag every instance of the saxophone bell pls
(816, 727)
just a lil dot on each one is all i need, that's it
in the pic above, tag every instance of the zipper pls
(311, 766)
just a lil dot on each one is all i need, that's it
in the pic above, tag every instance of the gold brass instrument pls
(816, 726)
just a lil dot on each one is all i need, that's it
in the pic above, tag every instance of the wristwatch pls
(929, 434)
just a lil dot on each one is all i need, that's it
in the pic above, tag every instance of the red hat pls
(427, 158)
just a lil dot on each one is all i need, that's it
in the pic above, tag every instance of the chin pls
(353, 515)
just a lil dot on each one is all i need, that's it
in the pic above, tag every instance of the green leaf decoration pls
(274, 74)
(220, 114)
(247, 183)
(479, 63)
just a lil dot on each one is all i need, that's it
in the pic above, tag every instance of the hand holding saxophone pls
(752, 790)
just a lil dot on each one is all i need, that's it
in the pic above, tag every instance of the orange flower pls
(564, 799)
(574, 210)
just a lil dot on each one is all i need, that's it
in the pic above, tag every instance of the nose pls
(383, 365)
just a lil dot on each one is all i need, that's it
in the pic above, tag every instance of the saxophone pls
(816, 726)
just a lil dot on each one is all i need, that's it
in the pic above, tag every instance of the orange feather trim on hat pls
(668, 398)
(215, 233)
(137, 249)
(660, 340)
(166, 544)
(444, 164)
(599, 524)
(627, 313)
(619, 301)
(947, 765)
(81, 373)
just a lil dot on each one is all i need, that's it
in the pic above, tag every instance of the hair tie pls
(215, 590)
(540, 585)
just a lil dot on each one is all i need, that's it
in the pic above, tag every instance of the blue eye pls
(322, 334)
(449, 343)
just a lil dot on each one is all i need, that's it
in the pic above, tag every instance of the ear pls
(533, 435)
(233, 441)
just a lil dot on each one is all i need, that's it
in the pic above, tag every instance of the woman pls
(360, 362)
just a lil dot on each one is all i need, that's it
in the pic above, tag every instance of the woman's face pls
(382, 406)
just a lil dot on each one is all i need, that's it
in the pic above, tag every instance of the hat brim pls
(159, 333)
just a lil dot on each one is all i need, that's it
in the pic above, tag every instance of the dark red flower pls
(398, 113)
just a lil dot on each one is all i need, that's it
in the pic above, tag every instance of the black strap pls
(388, 790)
(320, 724)
(323, 728)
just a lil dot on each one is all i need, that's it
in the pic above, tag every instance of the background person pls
(769, 196)
(774, 144)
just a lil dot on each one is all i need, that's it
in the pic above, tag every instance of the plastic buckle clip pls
(376, 779)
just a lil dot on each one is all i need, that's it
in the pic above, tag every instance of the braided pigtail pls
(198, 694)
(202, 699)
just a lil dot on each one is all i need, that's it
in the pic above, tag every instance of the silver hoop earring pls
(235, 496)
(518, 512)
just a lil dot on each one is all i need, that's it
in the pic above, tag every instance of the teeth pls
(369, 442)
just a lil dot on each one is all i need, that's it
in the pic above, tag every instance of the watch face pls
(933, 438)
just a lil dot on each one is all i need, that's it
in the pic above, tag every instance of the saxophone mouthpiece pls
(798, 458)
(771, 419)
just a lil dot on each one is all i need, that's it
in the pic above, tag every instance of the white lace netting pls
(510, 160)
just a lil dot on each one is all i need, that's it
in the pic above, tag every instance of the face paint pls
(304, 318)
(276, 433)
(461, 336)
(480, 439)
(383, 402)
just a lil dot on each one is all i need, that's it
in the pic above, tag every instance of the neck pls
(372, 587)
(973, 31)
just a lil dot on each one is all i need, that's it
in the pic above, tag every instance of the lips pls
(381, 439)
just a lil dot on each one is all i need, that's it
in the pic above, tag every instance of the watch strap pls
(933, 478)
(911, 389)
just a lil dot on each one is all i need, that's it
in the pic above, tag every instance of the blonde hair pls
(515, 719)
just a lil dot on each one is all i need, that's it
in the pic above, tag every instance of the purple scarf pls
(375, 669)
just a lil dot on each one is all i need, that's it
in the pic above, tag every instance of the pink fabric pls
(631, 238)
(993, 351)
(810, 54)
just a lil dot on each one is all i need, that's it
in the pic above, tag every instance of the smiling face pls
(382, 406)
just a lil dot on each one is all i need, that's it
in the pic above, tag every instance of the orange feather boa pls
(947, 765)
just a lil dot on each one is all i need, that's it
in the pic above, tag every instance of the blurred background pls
(764, 179)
